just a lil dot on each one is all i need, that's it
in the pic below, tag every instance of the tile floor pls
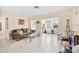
(47, 43)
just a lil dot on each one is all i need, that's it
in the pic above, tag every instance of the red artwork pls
(21, 22)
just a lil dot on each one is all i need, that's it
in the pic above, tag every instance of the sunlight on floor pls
(45, 43)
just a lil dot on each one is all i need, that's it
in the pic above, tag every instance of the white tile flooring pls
(47, 43)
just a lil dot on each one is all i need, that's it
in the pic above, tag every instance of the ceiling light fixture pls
(36, 7)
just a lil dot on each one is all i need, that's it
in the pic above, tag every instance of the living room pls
(28, 20)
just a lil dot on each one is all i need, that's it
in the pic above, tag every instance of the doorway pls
(50, 25)
(2, 28)
(2, 31)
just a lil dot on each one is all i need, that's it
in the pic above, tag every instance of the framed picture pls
(21, 21)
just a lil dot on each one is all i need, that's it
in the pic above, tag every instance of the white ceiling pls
(29, 11)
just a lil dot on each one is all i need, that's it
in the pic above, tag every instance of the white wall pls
(63, 15)
(13, 21)
(75, 19)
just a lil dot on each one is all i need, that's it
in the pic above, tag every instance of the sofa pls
(19, 34)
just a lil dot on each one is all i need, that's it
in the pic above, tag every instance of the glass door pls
(50, 25)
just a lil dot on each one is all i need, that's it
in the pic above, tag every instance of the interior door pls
(2, 28)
